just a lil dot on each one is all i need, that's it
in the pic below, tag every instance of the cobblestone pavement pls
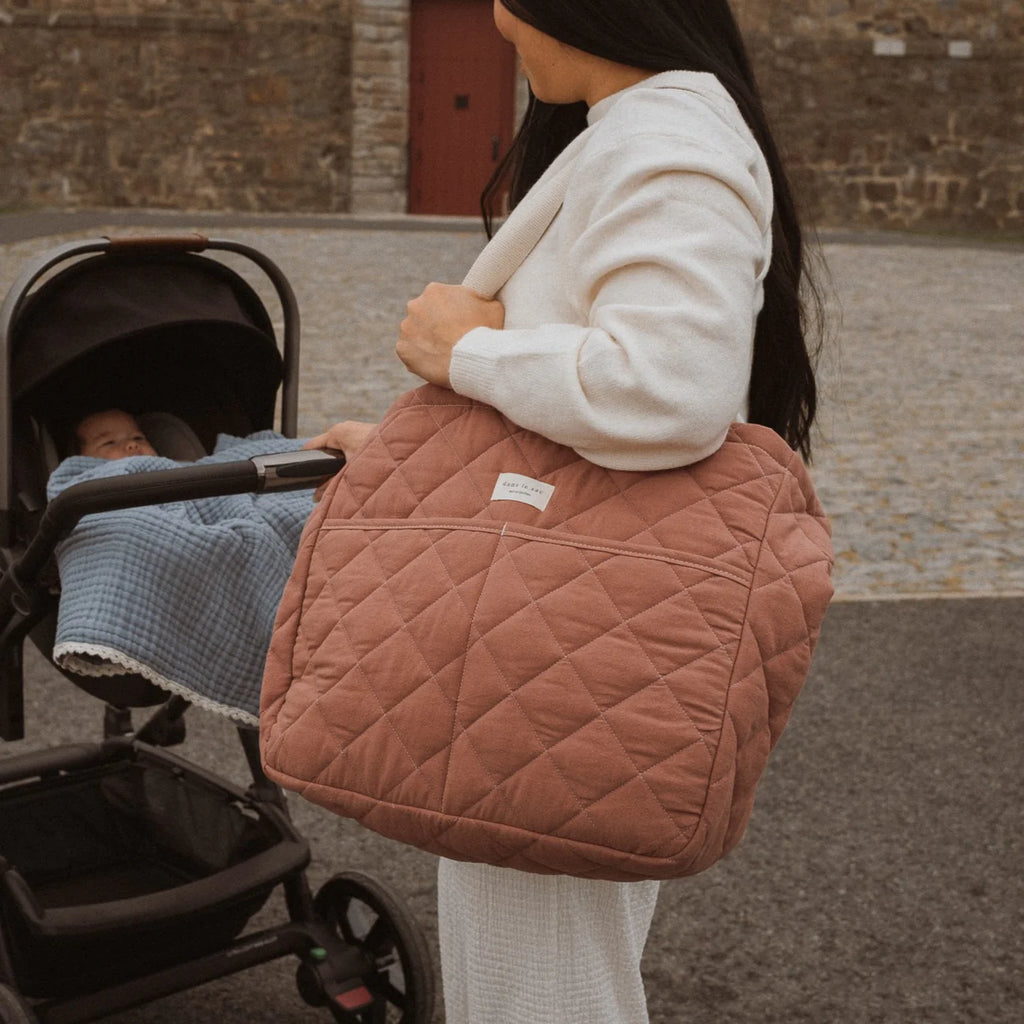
(919, 460)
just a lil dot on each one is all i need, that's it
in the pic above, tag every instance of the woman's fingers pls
(347, 437)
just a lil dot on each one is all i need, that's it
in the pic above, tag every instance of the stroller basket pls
(130, 864)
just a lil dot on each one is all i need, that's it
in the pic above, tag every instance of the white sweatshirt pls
(629, 328)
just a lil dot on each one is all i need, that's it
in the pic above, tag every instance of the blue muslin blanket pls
(183, 593)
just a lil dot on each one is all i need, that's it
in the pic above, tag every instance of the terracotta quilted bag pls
(497, 651)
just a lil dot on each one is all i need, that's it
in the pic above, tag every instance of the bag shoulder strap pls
(525, 225)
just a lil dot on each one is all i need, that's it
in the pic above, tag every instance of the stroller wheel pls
(14, 1009)
(361, 912)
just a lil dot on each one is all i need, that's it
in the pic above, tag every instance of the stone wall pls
(198, 104)
(907, 115)
(380, 103)
(898, 115)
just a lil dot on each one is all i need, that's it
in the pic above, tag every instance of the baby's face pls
(112, 435)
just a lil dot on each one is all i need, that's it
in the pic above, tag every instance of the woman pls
(661, 305)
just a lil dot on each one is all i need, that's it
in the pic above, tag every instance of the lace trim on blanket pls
(99, 661)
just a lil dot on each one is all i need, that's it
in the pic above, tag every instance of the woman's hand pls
(436, 321)
(347, 437)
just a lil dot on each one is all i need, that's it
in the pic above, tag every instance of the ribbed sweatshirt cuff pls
(474, 370)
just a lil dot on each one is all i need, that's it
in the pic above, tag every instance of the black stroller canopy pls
(175, 332)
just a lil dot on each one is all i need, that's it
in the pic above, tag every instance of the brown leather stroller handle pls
(193, 242)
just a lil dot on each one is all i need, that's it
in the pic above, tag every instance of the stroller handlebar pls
(290, 471)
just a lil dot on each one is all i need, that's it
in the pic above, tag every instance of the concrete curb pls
(15, 227)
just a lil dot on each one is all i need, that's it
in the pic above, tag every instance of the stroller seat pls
(185, 592)
(174, 439)
(171, 436)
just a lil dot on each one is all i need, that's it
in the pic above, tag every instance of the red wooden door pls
(461, 100)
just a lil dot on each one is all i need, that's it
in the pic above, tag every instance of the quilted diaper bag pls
(496, 651)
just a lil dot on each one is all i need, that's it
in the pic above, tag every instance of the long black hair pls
(684, 35)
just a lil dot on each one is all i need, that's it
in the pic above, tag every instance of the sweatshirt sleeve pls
(661, 248)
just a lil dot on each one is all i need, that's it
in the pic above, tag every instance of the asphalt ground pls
(879, 881)
(880, 878)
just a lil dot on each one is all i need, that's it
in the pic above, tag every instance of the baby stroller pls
(127, 872)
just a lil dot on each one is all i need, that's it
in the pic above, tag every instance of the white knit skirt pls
(520, 948)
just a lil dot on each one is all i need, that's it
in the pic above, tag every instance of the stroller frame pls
(361, 954)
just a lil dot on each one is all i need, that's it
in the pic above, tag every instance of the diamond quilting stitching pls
(516, 437)
(367, 681)
(626, 621)
(582, 689)
(711, 500)
(440, 438)
(341, 625)
(467, 731)
(726, 735)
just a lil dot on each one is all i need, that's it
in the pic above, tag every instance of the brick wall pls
(380, 101)
(898, 115)
(893, 115)
(198, 104)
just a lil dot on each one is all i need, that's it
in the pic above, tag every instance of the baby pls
(111, 434)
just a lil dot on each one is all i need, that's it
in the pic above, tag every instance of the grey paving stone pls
(921, 433)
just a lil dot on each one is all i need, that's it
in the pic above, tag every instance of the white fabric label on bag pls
(514, 487)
